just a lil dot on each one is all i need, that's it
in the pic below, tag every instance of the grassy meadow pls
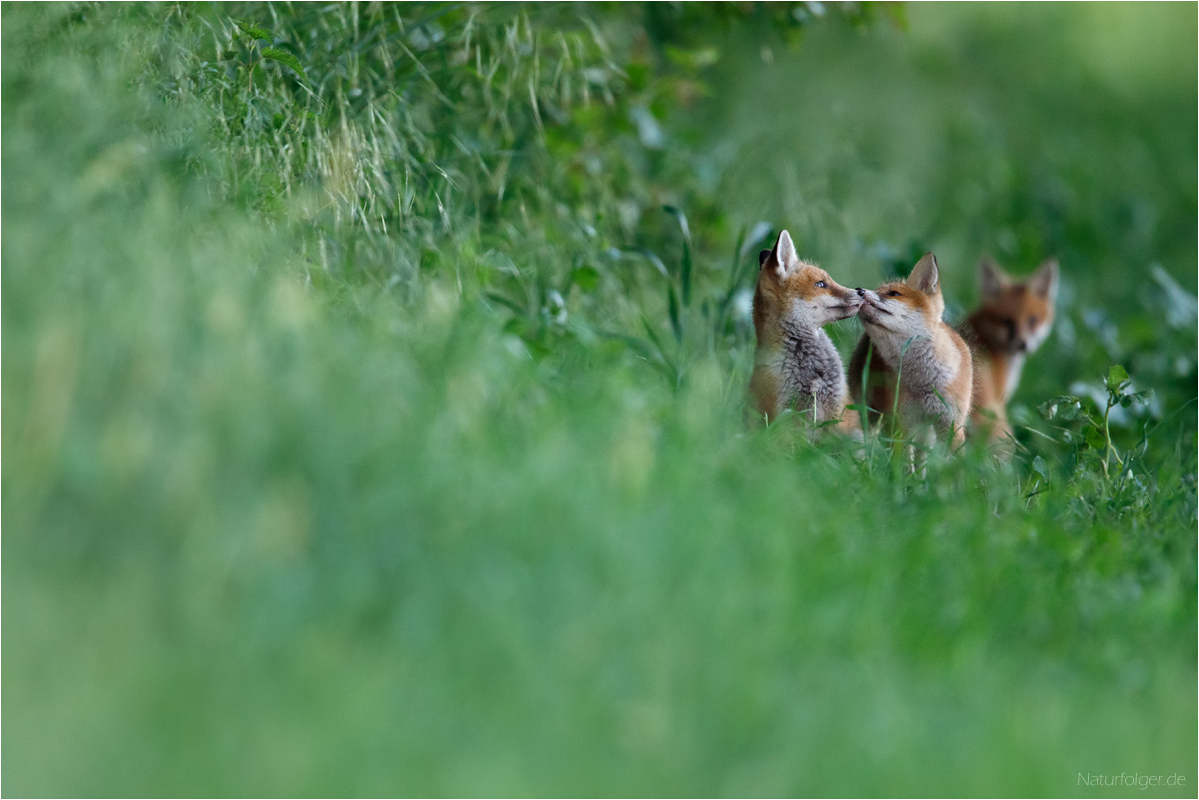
(375, 416)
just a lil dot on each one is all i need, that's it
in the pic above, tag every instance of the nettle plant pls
(1099, 471)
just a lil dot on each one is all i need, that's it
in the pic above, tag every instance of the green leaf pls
(693, 59)
(254, 32)
(1066, 406)
(685, 278)
(511, 305)
(652, 257)
(518, 326)
(640, 346)
(586, 278)
(283, 57)
(661, 351)
(536, 349)
(1094, 437)
(759, 232)
(1036, 432)
(681, 218)
(1116, 376)
(1041, 468)
(863, 417)
(672, 302)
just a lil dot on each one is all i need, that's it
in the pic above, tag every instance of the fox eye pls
(819, 284)
(892, 293)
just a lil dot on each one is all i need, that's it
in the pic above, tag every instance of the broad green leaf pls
(283, 57)
(254, 32)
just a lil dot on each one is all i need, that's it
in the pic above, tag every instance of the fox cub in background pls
(916, 357)
(1012, 321)
(796, 364)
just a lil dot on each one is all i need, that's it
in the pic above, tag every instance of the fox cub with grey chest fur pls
(1013, 319)
(920, 366)
(796, 364)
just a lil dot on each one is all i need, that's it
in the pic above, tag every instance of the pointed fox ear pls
(991, 279)
(782, 258)
(924, 277)
(1044, 280)
(762, 256)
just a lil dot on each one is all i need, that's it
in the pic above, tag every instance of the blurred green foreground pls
(369, 427)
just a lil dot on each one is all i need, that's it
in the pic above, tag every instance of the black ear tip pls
(762, 256)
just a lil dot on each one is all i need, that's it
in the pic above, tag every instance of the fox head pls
(903, 310)
(1017, 314)
(790, 290)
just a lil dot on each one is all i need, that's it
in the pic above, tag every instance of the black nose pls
(1021, 345)
(861, 292)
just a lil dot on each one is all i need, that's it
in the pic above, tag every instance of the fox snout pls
(847, 302)
(849, 297)
(868, 298)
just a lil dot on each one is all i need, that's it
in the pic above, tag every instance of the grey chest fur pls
(923, 381)
(813, 379)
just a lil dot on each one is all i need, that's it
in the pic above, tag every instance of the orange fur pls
(1012, 320)
(796, 363)
(921, 371)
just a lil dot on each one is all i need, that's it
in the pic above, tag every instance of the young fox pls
(796, 363)
(913, 348)
(1012, 321)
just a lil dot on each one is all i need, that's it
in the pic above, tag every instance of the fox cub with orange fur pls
(915, 355)
(796, 363)
(1014, 318)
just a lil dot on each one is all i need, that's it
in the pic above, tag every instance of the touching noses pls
(861, 292)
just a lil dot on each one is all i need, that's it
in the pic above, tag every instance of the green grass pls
(371, 429)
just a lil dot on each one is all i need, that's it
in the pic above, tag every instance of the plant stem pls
(1107, 437)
